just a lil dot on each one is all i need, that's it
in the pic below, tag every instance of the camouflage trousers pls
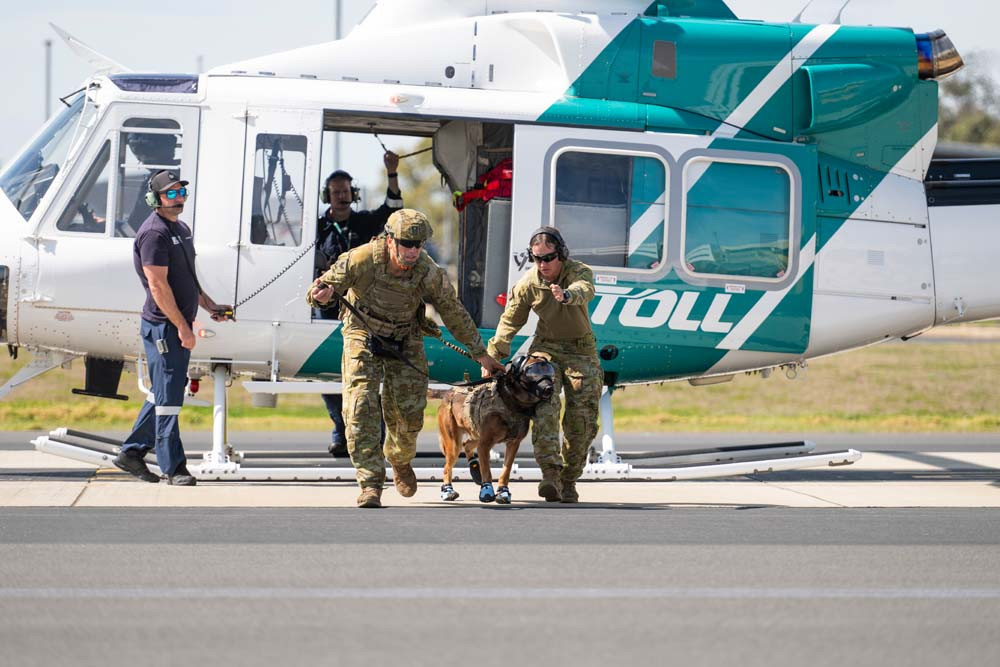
(404, 396)
(580, 379)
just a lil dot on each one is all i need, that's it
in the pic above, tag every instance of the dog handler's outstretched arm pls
(440, 294)
(581, 284)
(515, 315)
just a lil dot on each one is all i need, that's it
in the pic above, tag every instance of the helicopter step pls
(314, 466)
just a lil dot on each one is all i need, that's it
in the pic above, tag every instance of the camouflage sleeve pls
(581, 286)
(514, 317)
(441, 295)
(340, 276)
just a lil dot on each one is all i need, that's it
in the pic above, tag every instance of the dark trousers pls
(156, 426)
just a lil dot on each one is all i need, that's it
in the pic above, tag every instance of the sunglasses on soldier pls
(407, 243)
(545, 258)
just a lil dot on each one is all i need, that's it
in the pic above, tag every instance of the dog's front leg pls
(509, 454)
(486, 493)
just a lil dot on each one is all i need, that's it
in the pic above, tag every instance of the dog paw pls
(448, 492)
(477, 477)
(503, 495)
(486, 494)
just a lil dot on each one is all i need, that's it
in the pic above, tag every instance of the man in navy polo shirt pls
(163, 254)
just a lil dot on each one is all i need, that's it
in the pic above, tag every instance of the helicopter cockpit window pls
(28, 177)
(737, 219)
(611, 208)
(146, 146)
(278, 183)
(87, 210)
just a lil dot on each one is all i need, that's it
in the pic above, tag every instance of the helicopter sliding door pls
(278, 220)
(696, 242)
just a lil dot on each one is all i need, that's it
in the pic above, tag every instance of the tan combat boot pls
(569, 494)
(405, 479)
(550, 487)
(371, 496)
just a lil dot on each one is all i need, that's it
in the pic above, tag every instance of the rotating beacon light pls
(937, 56)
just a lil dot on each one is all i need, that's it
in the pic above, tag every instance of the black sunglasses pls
(545, 258)
(407, 243)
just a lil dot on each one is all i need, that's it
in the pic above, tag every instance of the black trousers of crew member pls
(156, 426)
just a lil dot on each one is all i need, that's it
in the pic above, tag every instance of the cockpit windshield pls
(28, 177)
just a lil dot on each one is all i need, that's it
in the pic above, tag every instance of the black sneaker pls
(132, 462)
(182, 477)
(338, 450)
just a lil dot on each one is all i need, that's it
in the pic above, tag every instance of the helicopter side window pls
(611, 208)
(278, 183)
(87, 209)
(146, 146)
(737, 219)
(28, 177)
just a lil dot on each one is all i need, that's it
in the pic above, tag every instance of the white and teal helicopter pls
(750, 195)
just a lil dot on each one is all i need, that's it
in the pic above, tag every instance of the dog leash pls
(399, 355)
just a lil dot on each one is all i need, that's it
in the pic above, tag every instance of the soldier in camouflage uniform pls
(388, 280)
(558, 290)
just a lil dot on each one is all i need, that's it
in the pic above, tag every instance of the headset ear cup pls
(152, 201)
(324, 195)
(355, 194)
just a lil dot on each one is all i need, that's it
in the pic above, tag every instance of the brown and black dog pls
(475, 419)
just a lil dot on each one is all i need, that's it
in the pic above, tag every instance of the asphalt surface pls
(539, 585)
(531, 583)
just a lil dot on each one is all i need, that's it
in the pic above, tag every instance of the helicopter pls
(750, 196)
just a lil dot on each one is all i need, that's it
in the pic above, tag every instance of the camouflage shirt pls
(394, 305)
(556, 321)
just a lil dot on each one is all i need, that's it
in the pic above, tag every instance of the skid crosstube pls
(320, 467)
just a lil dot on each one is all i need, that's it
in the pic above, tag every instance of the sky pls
(144, 37)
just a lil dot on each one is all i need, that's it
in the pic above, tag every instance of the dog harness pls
(484, 401)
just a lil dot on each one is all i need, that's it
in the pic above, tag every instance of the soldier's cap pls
(409, 225)
(162, 180)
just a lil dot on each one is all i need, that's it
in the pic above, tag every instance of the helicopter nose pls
(11, 224)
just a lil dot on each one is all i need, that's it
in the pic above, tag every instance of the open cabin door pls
(695, 242)
(278, 221)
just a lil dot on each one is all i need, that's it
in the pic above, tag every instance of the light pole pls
(48, 78)
(336, 135)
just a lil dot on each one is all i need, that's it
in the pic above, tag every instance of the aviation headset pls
(324, 196)
(153, 198)
(555, 236)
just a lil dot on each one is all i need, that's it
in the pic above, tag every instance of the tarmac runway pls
(893, 560)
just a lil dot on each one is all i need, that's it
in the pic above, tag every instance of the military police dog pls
(490, 413)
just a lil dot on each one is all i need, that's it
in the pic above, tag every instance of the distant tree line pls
(969, 103)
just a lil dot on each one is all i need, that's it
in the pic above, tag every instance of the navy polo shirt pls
(160, 242)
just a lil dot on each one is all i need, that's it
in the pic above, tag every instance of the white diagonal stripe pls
(167, 410)
(648, 222)
(774, 80)
(767, 303)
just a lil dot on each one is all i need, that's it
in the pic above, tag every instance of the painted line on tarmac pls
(438, 593)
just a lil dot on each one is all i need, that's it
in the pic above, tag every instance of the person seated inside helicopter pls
(153, 152)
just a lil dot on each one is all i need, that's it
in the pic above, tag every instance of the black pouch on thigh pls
(386, 348)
